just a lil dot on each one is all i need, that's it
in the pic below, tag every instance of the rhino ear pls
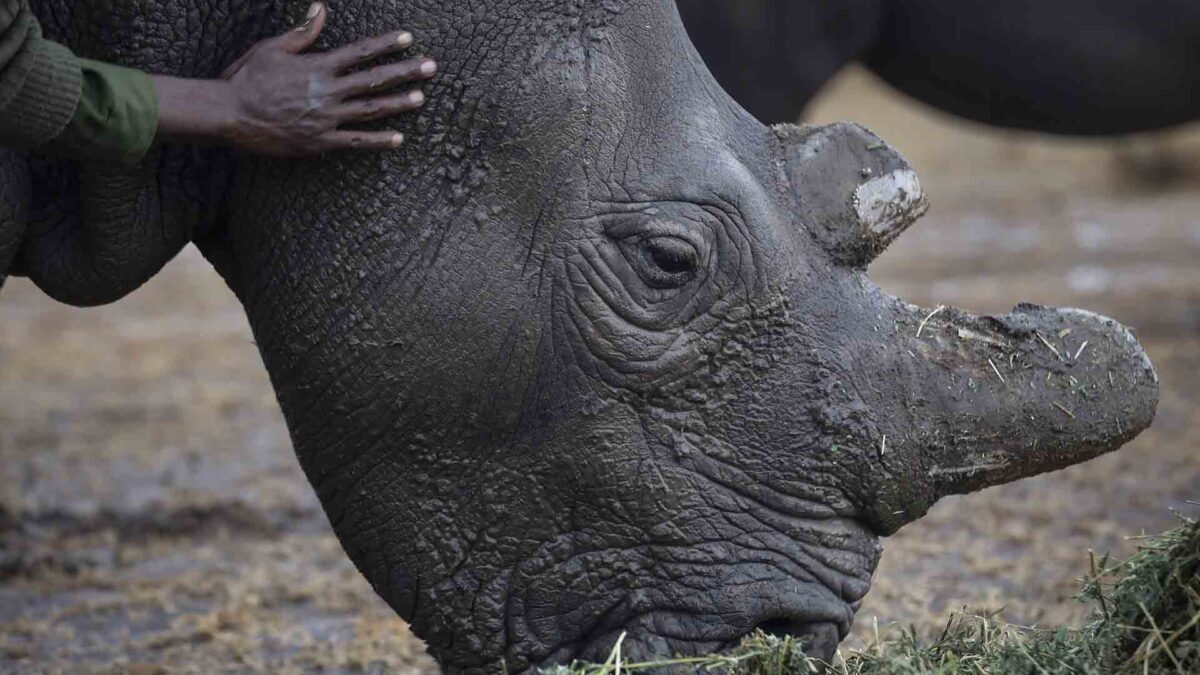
(855, 193)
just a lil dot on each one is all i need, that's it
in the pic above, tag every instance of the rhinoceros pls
(1076, 67)
(596, 353)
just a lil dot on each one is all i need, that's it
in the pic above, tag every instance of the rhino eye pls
(667, 262)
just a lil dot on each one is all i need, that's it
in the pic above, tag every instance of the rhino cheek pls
(682, 522)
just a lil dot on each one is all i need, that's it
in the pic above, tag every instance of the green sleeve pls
(52, 101)
(116, 119)
(39, 80)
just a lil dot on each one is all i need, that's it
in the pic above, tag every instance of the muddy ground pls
(153, 518)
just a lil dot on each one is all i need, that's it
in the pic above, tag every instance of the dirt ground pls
(154, 519)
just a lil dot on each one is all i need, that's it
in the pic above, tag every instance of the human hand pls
(277, 101)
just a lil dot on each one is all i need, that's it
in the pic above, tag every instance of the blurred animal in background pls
(1077, 67)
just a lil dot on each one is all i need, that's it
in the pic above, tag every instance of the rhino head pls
(597, 353)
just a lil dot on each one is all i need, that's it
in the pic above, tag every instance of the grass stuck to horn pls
(1146, 619)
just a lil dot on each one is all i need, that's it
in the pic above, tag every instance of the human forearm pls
(274, 101)
(193, 111)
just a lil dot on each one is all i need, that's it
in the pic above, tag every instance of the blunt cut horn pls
(859, 193)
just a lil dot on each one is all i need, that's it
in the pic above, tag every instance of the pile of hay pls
(1146, 620)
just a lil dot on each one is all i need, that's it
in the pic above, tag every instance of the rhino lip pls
(819, 639)
(790, 627)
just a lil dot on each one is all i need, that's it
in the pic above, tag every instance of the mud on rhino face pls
(597, 353)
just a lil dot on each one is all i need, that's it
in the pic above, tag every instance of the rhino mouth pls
(815, 612)
(818, 624)
(819, 639)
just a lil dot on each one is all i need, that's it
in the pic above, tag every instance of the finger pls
(367, 109)
(304, 35)
(361, 140)
(370, 49)
(385, 77)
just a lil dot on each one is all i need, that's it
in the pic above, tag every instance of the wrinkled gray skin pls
(596, 351)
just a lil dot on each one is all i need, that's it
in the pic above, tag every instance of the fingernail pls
(397, 140)
(313, 10)
(417, 97)
(404, 39)
(428, 67)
